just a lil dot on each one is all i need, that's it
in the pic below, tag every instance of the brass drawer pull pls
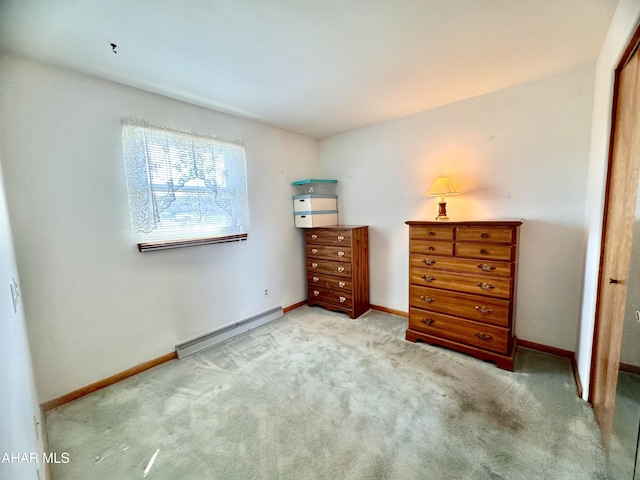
(428, 261)
(342, 299)
(483, 310)
(483, 251)
(428, 278)
(341, 284)
(431, 234)
(314, 250)
(315, 279)
(340, 269)
(486, 267)
(431, 249)
(314, 265)
(427, 321)
(340, 254)
(316, 293)
(484, 336)
(314, 236)
(485, 286)
(427, 299)
(340, 238)
(484, 235)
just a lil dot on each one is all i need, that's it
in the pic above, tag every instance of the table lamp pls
(442, 187)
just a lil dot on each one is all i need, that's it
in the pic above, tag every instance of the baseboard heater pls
(209, 339)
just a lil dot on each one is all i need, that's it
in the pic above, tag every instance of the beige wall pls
(521, 152)
(19, 408)
(95, 305)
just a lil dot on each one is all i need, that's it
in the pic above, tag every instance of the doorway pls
(619, 219)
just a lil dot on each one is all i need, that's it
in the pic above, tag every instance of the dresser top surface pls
(338, 227)
(510, 222)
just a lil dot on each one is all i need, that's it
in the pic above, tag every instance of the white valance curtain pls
(182, 185)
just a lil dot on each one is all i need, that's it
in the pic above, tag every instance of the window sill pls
(166, 245)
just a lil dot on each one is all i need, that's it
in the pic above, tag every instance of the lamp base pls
(442, 212)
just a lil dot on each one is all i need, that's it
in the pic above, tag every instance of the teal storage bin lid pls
(313, 180)
(314, 195)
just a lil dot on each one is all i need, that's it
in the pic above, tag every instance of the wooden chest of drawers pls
(338, 268)
(462, 283)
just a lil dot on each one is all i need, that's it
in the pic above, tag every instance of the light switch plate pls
(15, 294)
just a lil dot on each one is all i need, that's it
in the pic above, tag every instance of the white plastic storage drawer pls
(313, 203)
(310, 220)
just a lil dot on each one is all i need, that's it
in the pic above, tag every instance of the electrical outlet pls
(266, 292)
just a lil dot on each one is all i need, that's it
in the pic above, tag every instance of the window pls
(184, 189)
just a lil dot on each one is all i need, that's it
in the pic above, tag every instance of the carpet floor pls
(316, 395)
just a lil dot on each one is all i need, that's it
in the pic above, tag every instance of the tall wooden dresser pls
(462, 285)
(338, 268)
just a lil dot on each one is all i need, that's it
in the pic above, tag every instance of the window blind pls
(183, 186)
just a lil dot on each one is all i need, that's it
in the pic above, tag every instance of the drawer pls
(339, 254)
(494, 287)
(331, 296)
(486, 234)
(496, 251)
(431, 248)
(431, 233)
(328, 237)
(311, 220)
(472, 307)
(314, 203)
(463, 265)
(328, 281)
(328, 267)
(481, 335)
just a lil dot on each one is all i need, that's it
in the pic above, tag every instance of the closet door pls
(622, 187)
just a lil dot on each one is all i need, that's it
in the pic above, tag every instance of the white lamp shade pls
(443, 186)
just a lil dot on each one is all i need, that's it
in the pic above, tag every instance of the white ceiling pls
(317, 67)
